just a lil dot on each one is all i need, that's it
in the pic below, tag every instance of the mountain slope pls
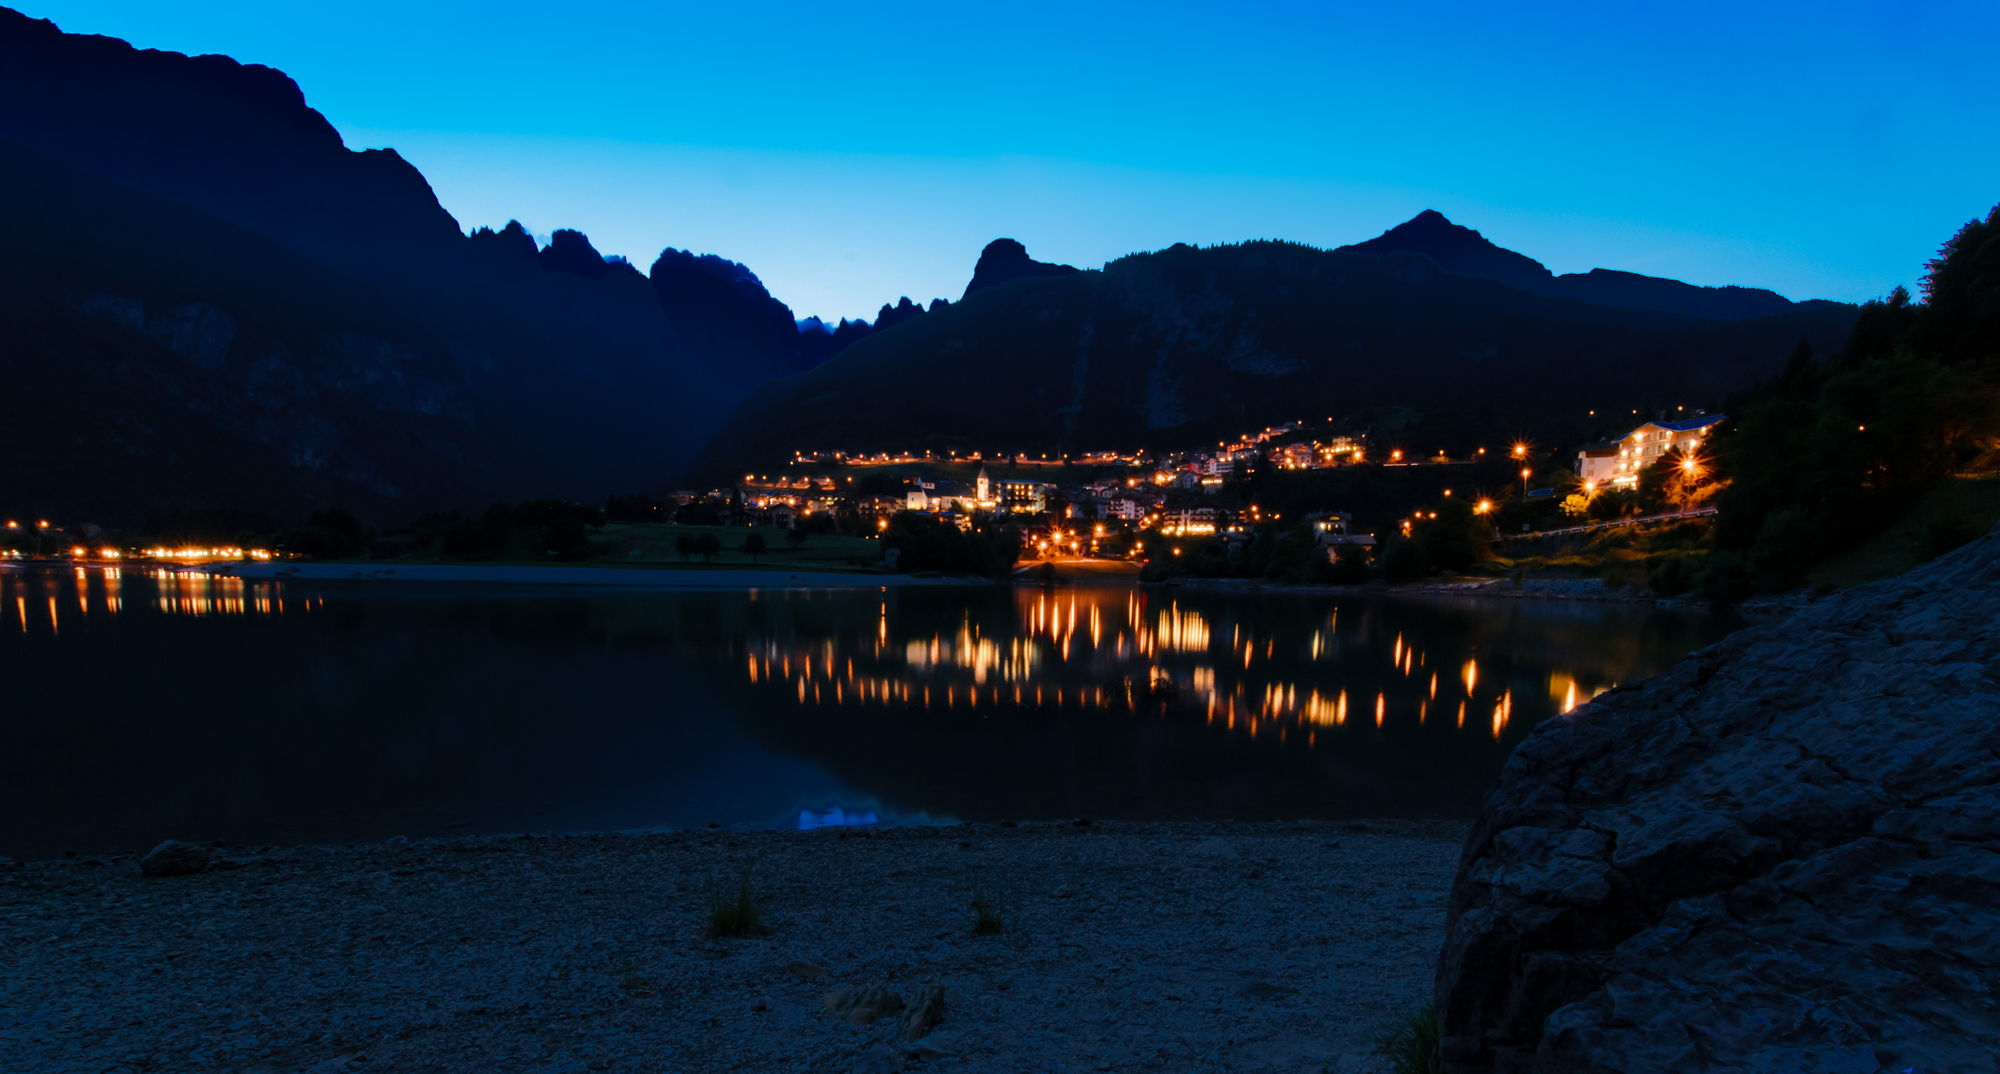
(1463, 250)
(151, 346)
(1185, 346)
(607, 379)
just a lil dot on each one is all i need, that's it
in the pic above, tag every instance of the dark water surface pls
(141, 705)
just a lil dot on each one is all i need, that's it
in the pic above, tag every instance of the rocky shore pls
(1783, 855)
(1169, 946)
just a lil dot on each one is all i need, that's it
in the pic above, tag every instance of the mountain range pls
(548, 371)
(1463, 250)
(213, 301)
(1187, 346)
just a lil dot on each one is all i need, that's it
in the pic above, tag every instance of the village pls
(1104, 504)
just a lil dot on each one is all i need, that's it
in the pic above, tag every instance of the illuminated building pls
(1025, 497)
(1642, 447)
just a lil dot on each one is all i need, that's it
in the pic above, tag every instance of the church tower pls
(984, 487)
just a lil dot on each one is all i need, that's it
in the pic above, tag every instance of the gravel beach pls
(1157, 946)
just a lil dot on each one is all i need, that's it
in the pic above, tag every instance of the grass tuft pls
(734, 915)
(986, 919)
(1412, 1043)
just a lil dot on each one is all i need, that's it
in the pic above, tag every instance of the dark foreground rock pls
(1783, 855)
(174, 858)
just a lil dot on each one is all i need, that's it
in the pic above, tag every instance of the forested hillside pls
(1834, 449)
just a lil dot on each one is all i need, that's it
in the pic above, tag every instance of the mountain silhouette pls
(1004, 260)
(159, 355)
(1456, 249)
(605, 378)
(1187, 346)
(1463, 250)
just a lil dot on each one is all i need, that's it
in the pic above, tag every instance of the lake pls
(151, 704)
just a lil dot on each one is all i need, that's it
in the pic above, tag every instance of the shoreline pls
(1157, 945)
(584, 575)
(1549, 589)
(1573, 589)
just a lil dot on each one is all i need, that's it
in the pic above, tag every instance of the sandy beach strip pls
(1161, 946)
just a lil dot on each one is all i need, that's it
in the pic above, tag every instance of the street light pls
(1524, 482)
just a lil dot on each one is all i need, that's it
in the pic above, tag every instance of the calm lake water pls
(142, 705)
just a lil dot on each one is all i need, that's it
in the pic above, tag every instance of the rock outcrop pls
(174, 858)
(1783, 855)
(1006, 259)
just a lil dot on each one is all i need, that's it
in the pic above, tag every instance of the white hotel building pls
(1619, 462)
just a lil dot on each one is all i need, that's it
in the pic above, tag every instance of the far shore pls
(585, 575)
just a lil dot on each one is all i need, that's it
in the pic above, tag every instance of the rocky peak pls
(1006, 259)
(1456, 249)
(571, 252)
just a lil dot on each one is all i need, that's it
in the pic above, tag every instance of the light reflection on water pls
(332, 711)
(100, 591)
(1087, 649)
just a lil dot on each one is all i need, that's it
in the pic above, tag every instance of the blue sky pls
(850, 154)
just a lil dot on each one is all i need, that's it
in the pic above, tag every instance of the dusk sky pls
(851, 154)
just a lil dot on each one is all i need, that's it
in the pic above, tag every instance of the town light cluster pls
(208, 553)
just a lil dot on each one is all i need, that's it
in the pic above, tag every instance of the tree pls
(564, 537)
(499, 524)
(923, 542)
(796, 536)
(1404, 560)
(635, 509)
(754, 546)
(1454, 539)
(1783, 550)
(1352, 566)
(464, 539)
(687, 544)
(707, 545)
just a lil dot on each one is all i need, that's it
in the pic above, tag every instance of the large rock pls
(174, 858)
(1783, 855)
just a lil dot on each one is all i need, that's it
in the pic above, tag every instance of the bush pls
(1670, 576)
(1404, 561)
(734, 914)
(1723, 579)
(564, 538)
(1411, 1045)
(1784, 549)
(926, 543)
(1352, 566)
(986, 919)
(464, 539)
